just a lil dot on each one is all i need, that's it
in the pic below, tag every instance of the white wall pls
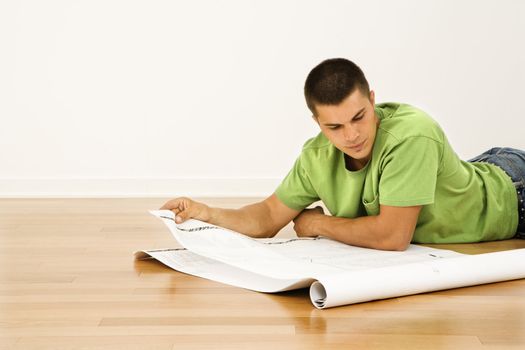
(165, 98)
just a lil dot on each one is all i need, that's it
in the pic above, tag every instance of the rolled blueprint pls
(394, 281)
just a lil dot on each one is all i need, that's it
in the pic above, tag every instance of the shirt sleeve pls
(296, 190)
(409, 172)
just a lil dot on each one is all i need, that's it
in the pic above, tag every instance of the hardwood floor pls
(68, 280)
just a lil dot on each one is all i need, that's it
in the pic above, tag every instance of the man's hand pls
(305, 222)
(185, 208)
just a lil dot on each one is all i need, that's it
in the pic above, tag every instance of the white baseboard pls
(116, 188)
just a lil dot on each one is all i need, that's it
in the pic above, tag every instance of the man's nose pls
(350, 133)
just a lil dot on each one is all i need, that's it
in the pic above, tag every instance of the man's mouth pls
(357, 146)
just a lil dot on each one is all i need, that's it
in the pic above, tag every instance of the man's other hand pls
(304, 223)
(186, 208)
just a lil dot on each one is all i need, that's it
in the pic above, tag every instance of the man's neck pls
(352, 164)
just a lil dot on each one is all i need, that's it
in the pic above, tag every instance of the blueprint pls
(336, 273)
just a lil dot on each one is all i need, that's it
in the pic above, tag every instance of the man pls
(385, 172)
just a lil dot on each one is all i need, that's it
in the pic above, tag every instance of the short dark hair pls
(331, 81)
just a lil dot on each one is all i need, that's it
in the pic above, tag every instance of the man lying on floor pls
(386, 173)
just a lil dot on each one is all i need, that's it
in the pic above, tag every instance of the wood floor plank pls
(95, 331)
(255, 341)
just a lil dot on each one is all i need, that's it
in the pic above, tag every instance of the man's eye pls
(333, 127)
(359, 117)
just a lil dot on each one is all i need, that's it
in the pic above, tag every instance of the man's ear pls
(372, 97)
(315, 119)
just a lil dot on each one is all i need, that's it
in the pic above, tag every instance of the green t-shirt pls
(412, 164)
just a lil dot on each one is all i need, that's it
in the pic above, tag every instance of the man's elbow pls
(266, 232)
(396, 242)
(400, 247)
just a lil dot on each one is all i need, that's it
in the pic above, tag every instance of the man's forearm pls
(252, 220)
(366, 231)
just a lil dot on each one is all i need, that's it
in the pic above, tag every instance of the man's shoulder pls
(316, 143)
(317, 152)
(402, 121)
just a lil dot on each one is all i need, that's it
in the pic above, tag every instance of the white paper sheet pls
(338, 274)
(183, 260)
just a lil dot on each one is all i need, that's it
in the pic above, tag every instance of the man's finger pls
(183, 208)
(181, 217)
(176, 211)
(169, 205)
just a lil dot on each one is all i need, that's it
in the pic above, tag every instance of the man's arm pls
(259, 220)
(392, 229)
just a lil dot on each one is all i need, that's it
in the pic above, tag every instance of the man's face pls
(351, 126)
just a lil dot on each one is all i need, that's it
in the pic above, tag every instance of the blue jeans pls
(512, 161)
